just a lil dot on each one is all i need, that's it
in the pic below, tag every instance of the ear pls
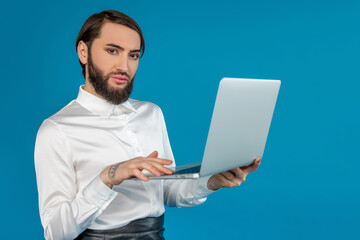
(82, 51)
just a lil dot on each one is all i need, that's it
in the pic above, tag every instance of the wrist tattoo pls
(112, 170)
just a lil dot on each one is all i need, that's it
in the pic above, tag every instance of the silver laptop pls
(239, 127)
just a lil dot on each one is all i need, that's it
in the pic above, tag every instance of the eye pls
(134, 56)
(112, 51)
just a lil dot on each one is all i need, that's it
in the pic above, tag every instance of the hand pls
(117, 173)
(233, 177)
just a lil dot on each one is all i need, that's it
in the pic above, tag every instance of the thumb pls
(252, 167)
(154, 154)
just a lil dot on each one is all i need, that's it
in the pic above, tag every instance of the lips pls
(119, 78)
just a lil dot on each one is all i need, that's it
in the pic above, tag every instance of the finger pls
(150, 167)
(233, 180)
(137, 173)
(240, 175)
(160, 160)
(156, 168)
(224, 181)
(221, 180)
(245, 168)
(254, 165)
(229, 175)
(238, 172)
(154, 154)
(162, 168)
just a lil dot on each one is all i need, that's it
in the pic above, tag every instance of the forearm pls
(65, 210)
(107, 173)
(66, 219)
(186, 193)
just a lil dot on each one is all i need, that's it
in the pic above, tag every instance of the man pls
(85, 153)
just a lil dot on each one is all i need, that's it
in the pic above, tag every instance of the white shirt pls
(77, 143)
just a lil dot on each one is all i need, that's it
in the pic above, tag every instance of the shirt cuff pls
(98, 193)
(201, 189)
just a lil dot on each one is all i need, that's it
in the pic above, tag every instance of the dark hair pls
(92, 26)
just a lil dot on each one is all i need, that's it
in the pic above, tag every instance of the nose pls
(122, 63)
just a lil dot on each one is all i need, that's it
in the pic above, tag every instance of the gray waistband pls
(150, 227)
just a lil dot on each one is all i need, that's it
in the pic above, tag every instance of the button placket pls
(123, 119)
(133, 141)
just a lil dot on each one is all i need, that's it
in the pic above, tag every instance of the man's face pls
(113, 61)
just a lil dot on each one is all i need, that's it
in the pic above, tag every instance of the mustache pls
(118, 73)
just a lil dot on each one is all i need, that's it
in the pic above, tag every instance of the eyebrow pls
(121, 48)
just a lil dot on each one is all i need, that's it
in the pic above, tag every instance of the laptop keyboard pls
(195, 169)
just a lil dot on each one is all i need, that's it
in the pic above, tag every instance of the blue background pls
(307, 186)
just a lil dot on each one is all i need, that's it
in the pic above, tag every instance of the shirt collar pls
(98, 105)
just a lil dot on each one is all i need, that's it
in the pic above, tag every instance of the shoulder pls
(50, 138)
(52, 125)
(48, 127)
(69, 115)
(73, 109)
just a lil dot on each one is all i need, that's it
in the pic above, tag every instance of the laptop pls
(239, 127)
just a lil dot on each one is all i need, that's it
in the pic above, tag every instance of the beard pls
(100, 83)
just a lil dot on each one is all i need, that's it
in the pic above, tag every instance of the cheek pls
(133, 67)
(103, 62)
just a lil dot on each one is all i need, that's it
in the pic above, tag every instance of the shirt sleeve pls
(182, 193)
(64, 211)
